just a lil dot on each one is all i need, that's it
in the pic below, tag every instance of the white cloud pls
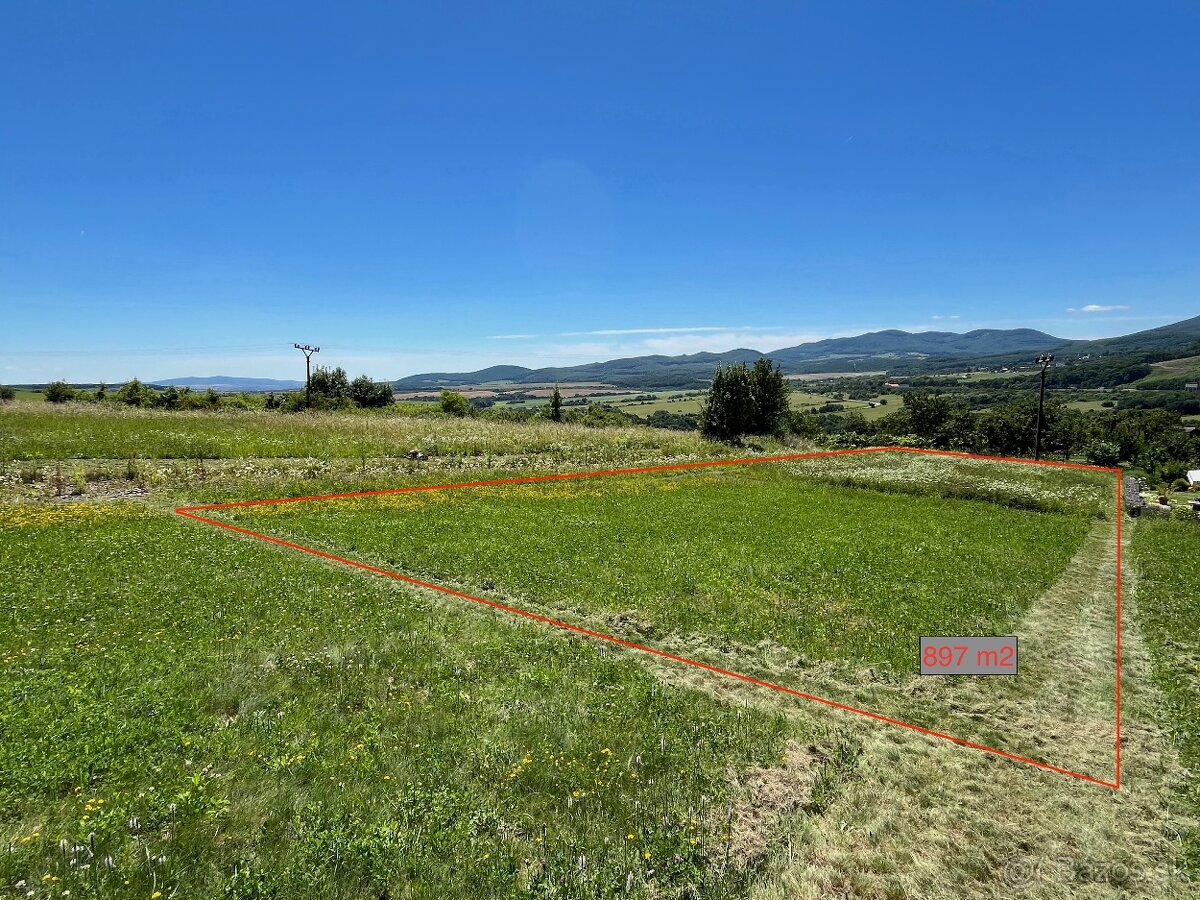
(945, 317)
(1096, 308)
(614, 332)
(512, 337)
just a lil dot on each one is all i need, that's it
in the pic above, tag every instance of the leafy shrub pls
(1103, 453)
(7, 393)
(370, 394)
(134, 393)
(597, 415)
(330, 383)
(59, 392)
(455, 404)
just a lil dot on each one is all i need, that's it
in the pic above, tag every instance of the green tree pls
(928, 415)
(172, 397)
(1067, 433)
(804, 424)
(455, 404)
(728, 411)
(769, 394)
(134, 393)
(1103, 453)
(370, 394)
(6, 393)
(556, 405)
(330, 384)
(59, 392)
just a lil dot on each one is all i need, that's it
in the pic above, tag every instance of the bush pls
(59, 392)
(1185, 514)
(596, 415)
(673, 421)
(455, 404)
(7, 393)
(1181, 484)
(370, 394)
(805, 425)
(298, 402)
(1103, 453)
(330, 383)
(134, 393)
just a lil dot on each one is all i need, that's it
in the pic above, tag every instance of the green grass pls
(1018, 485)
(1186, 367)
(1168, 606)
(186, 713)
(690, 403)
(730, 557)
(71, 431)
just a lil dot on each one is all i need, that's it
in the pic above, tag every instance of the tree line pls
(743, 402)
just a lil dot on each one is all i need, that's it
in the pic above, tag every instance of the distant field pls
(1090, 405)
(740, 556)
(643, 408)
(985, 376)
(827, 376)
(1182, 366)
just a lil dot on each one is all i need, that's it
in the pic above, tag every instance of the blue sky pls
(186, 189)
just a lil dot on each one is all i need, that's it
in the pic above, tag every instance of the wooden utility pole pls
(1045, 361)
(308, 352)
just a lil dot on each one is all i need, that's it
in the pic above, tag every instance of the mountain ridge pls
(891, 350)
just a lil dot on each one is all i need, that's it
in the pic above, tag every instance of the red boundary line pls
(190, 512)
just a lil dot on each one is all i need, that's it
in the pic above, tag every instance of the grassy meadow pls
(30, 433)
(728, 556)
(1169, 603)
(188, 713)
(284, 727)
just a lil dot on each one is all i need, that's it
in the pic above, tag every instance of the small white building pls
(1193, 477)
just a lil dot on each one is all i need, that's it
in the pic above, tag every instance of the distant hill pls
(231, 384)
(895, 344)
(1167, 338)
(876, 350)
(892, 351)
